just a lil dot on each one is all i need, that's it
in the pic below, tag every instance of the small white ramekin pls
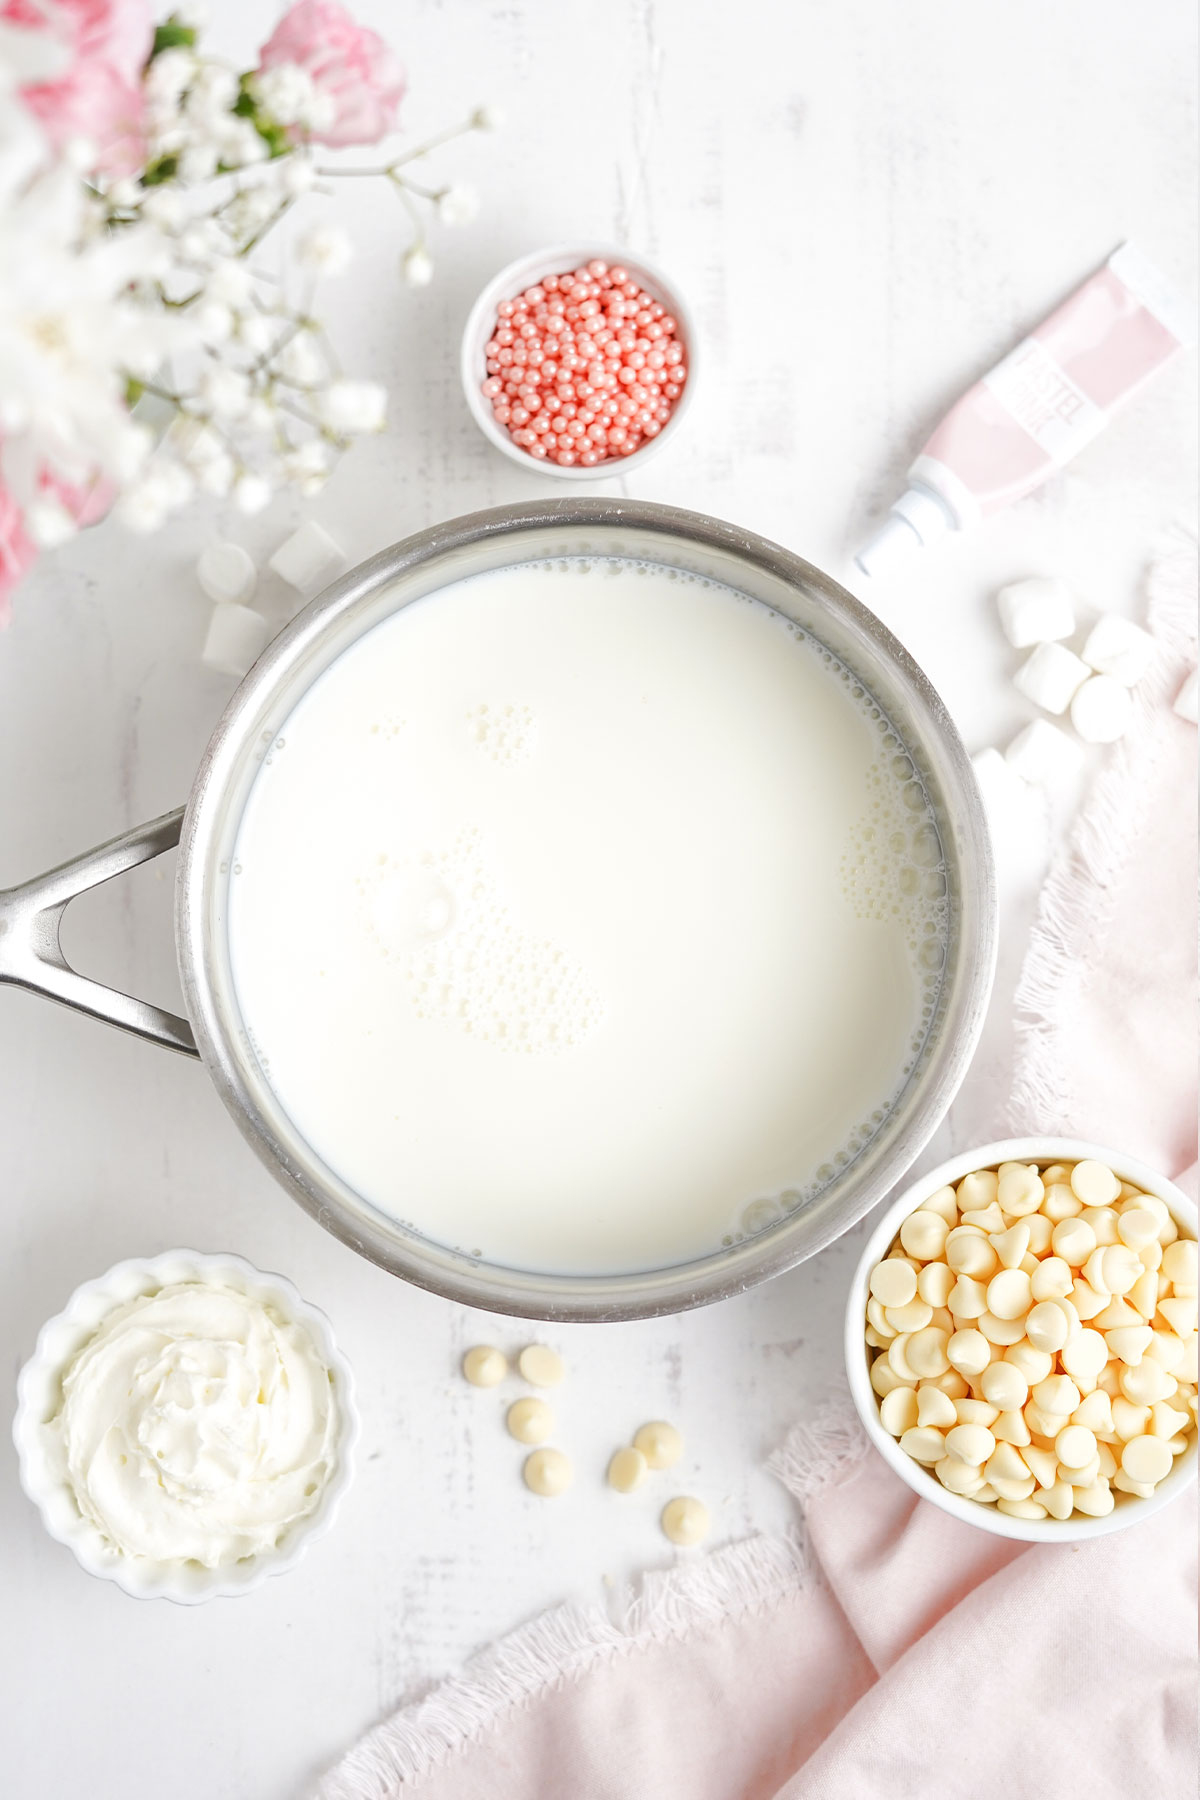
(523, 273)
(39, 1391)
(1129, 1509)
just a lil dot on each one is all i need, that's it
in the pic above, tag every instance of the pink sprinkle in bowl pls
(512, 280)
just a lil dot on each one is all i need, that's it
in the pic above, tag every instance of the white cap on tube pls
(918, 518)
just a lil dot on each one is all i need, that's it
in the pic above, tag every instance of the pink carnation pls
(98, 96)
(18, 552)
(350, 66)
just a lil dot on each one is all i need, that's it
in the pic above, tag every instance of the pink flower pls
(17, 554)
(98, 94)
(350, 66)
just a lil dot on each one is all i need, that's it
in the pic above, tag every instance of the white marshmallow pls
(1042, 754)
(1117, 647)
(1051, 676)
(226, 572)
(1185, 700)
(236, 638)
(1036, 611)
(308, 558)
(1005, 796)
(1101, 710)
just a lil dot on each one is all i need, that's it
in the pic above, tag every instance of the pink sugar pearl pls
(583, 367)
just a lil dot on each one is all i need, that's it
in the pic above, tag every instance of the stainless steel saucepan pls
(31, 956)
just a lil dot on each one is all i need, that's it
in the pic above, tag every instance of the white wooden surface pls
(867, 203)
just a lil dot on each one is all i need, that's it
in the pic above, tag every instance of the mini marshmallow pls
(1101, 710)
(1006, 797)
(1051, 677)
(237, 636)
(1185, 702)
(308, 558)
(226, 572)
(1117, 647)
(1043, 755)
(1036, 611)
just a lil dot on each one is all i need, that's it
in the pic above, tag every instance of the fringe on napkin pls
(564, 1644)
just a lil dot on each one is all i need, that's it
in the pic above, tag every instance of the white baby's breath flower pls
(213, 321)
(165, 207)
(255, 334)
(229, 280)
(457, 205)
(48, 523)
(213, 92)
(307, 461)
(217, 475)
(168, 75)
(177, 482)
(261, 415)
(125, 193)
(240, 144)
(296, 175)
(352, 406)
(487, 118)
(319, 112)
(144, 505)
(224, 392)
(251, 493)
(325, 250)
(198, 163)
(285, 92)
(416, 266)
(299, 361)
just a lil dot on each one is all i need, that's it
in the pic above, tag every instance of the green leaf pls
(133, 391)
(172, 34)
(162, 170)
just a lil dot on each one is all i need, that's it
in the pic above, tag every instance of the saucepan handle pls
(31, 954)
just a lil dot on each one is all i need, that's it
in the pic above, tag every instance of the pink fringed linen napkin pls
(887, 1651)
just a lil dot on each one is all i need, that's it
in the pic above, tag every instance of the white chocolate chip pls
(627, 1468)
(1146, 1459)
(1051, 676)
(1075, 1446)
(660, 1443)
(484, 1365)
(1037, 610)
(977, 1189)
(970, 1444)
(1117, 647)
(969, 1352)
(1095, 1183)
(934, 1407)
(924, 1444)
(530, 1421)
(541, 1366)
(548, 1473)
(685, 1520)
(900, 1410)
(923, 1234)
(308, 559)
(1010, 1295)
(893, 1282)
(226, 572)
(1003, 1385)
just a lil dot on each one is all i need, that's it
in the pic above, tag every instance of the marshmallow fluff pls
(196, 1424)
(587, 916)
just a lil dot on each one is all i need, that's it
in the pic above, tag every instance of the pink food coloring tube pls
(1037, 408)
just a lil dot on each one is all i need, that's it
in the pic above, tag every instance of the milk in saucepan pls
(587, 916)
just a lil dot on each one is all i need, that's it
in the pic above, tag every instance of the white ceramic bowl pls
(1128, 1509)
(523, 273)
(39, 1390)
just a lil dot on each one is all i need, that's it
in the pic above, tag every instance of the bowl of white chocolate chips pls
(1021, 1339)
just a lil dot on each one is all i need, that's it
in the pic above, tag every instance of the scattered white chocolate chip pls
(1036, 611)
(530, 1421)
(484, 1365)
(628, 1468)
(541, 1366)
(308, 558)
(1042, 754)
(237, 636)
(1051, 676)
(1117, 647)
(685, 1521)
(548, 1473)
(989, 1375)
(1187, 700)
(226, 572)
(659, 1443)
(1101, 710)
